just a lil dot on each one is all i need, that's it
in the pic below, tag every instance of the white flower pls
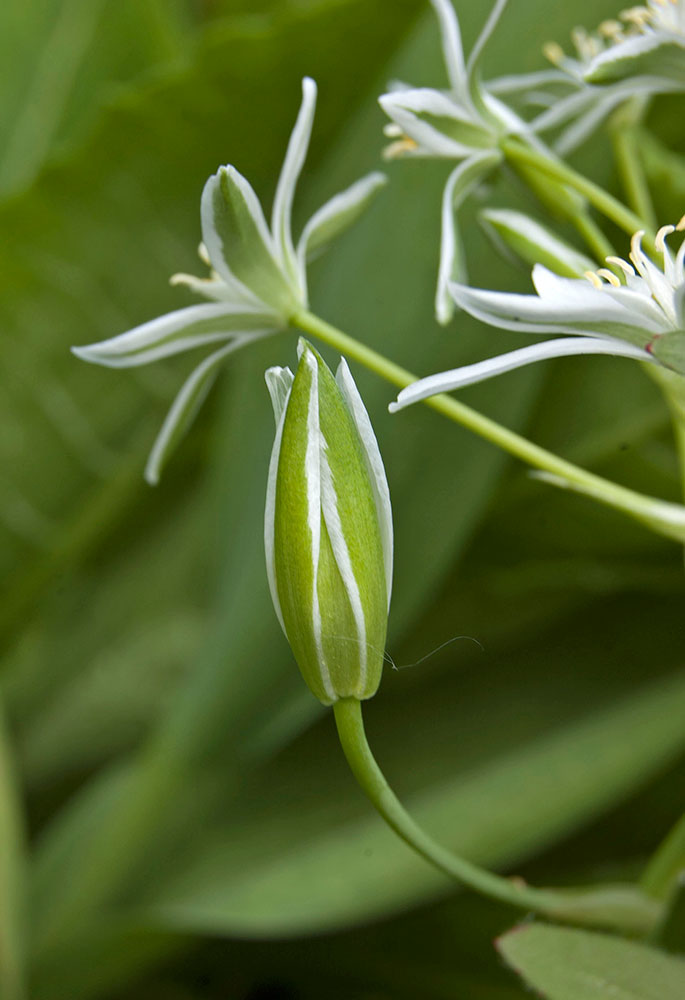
(641, 316)
(643, 53)
(257, 279)
(464, 122)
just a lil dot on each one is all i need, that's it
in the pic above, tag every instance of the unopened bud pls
(328, 529)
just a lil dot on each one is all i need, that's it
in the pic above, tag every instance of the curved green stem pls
(614, 906)
(604, 202)
(624, 141)
(664, 518)
(594, 238)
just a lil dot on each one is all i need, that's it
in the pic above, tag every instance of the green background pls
(170, 762)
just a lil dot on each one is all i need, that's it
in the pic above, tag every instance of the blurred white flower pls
(641, 53)
(464, 122)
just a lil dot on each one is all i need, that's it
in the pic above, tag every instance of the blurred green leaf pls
(575, 965)
(274, 873)
(13, 865)
(62, 57)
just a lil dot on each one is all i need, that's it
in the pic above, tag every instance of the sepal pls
(530, 241)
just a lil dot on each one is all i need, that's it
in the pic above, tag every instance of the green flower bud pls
(328, 529)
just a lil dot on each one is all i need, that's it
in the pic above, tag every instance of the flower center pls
(642, 275)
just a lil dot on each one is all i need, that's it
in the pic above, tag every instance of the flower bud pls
(328, 529)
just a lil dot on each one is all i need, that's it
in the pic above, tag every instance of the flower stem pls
(611, 906)
(604, 202)
(595, 239)
(624, 141)
(664, 518)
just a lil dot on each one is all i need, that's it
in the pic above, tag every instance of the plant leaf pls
(563, 964)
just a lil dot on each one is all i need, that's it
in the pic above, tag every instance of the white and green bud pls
(519, 236)
(328, 529)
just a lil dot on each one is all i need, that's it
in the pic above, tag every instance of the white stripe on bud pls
(328, 529)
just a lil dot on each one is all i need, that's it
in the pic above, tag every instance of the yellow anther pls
(593, 279)
(604, 272)
(638, 16)
(660, 238)
(392, 131)
(611, 29)
(680, 225)
(399, 148)
(587, 45)
(636, 245)
(554, 52)
(623, 264)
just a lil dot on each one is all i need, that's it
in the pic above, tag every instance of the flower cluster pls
(640, 53)
(464, 122)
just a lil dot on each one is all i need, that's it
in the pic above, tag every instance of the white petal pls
(623, 305)
(459, 183)
(532, 314)
(576, 133)
(566, 108)
(298, 145)
(341, 554)
(213, 288)
(312, 474)
(334, 217)
(187, 403)
(482, 370)
(174, 332)
(679, 305)
(374, 465)
(658, 54)
(484, 37)
(279, 382)
(270, 506)
(452, 50)
(238, 241)
(405, 107)
(523, 81)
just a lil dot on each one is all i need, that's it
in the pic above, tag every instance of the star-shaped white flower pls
(643, 53)
(464, 122)
(257, 279)
(641, 317)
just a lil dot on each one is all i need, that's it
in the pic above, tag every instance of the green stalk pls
(611, 207)
(673, 387)
(624, 141)
(595, 239)
(664, 518)
(612, 906)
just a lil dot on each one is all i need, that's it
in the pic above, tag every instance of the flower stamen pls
(660, 238)
(627, 268)
(604, 272)
(593, 278)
